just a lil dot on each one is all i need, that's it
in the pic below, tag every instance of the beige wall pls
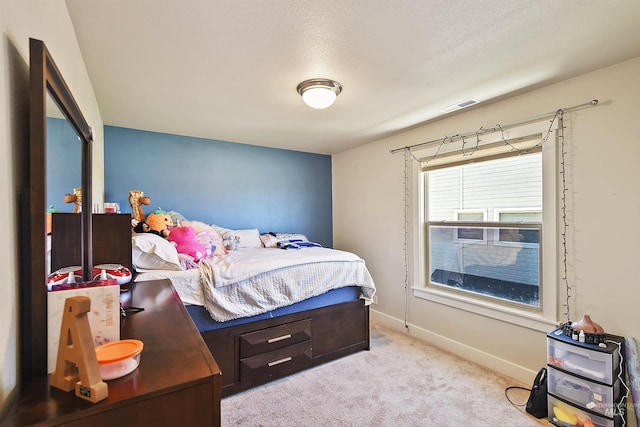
(47, 20)
(603, 212)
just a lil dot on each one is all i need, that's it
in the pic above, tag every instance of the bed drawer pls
(277, 363)
(266, 340)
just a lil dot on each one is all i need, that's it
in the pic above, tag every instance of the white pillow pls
(248, 238)
(152, 252)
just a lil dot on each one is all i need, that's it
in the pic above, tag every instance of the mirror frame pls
(46, 79)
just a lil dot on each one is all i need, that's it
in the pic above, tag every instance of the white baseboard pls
(490, 361)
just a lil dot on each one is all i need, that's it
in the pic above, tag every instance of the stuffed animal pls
(136, 200)
(230, 241)
(177, 218)
(160, 221)
(212, 241)
(208, 236)
(185, 240)
(76, 198)
(143, 227)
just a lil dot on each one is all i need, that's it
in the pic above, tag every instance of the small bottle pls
(574, 334)
(581, 336)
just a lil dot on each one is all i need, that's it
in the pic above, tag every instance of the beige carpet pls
(401, 381)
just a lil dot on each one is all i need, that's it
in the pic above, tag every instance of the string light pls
(620, 409)
(558, 115)
(444, 141)
(406, 237)
(565, 223)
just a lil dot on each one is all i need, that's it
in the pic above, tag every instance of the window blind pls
(486, 143)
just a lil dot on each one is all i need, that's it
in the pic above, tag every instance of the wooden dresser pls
(176, 384)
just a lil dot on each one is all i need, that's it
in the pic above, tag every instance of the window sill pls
(511, 315)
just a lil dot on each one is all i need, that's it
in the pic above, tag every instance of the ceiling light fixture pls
(319, 93)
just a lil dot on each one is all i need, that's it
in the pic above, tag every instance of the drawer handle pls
(276, 339)
(277, 362)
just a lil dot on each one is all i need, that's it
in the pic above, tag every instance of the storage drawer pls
(588, 360)
(583, 393)
(277, 363)
(564, 414)
(266, 340)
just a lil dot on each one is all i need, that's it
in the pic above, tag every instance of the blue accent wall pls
(224, 183)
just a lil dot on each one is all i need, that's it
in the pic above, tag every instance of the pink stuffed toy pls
(185, 240)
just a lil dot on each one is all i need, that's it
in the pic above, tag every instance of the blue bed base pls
(205, 323)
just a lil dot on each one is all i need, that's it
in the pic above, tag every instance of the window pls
(470, 234)
(499, 260)
(523, 237)
(488, 219)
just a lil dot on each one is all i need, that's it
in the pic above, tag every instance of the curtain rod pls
(495, 128)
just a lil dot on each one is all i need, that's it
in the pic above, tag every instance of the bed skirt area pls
(205, 323)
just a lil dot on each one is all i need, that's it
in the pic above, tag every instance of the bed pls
(265, 311)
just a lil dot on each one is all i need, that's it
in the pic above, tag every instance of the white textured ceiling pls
(228, 69)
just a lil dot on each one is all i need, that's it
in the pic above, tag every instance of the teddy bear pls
(160, 221)
(185, 240)
(230, 241)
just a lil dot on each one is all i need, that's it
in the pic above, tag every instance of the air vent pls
(459, 106)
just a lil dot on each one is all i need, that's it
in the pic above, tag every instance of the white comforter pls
(253, 281)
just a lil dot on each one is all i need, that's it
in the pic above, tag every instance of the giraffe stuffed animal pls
(136, 200)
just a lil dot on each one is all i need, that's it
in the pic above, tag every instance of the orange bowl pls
(118, 358)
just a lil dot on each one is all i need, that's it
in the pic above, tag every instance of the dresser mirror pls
(63, 162)
(48, 89)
